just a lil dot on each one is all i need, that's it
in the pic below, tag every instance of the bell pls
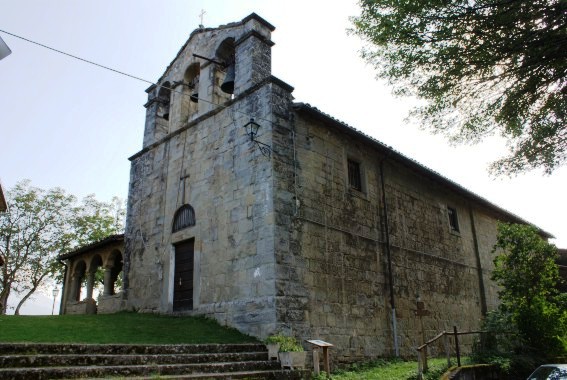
(194, 86)
(228, 85)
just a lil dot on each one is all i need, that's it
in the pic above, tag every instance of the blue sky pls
(69, 124)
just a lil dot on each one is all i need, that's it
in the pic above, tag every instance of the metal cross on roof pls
(201, 25)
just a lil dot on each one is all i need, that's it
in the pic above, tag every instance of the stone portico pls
(102, 260)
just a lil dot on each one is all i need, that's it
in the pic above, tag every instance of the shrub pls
(290, 344)
(287, 343)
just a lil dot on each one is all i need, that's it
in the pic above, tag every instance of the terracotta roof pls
(97, 244)
(392, 154)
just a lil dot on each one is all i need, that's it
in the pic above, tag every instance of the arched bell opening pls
(225, 76)
(190, 98)
(164, 100)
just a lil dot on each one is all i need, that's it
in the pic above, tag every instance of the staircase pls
(202, 361)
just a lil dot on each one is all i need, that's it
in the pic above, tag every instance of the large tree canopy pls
(482, 67)
(41, 224)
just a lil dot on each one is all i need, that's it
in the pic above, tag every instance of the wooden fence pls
(422, 350)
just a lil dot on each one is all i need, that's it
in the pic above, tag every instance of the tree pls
(41, 224)
(94, 220)
(481, 67)
(527, 272)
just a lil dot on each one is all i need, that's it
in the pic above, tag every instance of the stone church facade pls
(309, 227)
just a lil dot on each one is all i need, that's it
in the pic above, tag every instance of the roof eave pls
(96, 245)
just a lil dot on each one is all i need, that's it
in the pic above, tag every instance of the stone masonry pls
(298, 241)
(228, 183)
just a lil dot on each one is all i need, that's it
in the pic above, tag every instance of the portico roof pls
(96, 245)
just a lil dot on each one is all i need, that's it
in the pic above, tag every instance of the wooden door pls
(183, 279)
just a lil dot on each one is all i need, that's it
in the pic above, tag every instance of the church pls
(272, 216)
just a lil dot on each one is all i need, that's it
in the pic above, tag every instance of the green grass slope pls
(127, 328)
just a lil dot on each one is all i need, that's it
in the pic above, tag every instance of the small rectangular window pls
(354, 175)
(453, 219)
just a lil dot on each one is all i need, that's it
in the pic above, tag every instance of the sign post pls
(326, 362)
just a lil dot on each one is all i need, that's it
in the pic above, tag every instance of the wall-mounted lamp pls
(252, 130)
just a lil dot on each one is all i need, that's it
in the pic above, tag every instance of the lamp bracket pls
(265, 149)
(252, 127)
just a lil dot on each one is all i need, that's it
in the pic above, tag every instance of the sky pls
(65, 123)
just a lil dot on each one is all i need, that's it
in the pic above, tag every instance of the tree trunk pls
(4, 300)
(32, 290)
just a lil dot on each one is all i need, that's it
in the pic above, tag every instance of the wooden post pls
(421, 312)
(316, 360)
(424, 351)
(419, 366)
(447, 349)
(457, 346)
(326, 360)
(317, 343)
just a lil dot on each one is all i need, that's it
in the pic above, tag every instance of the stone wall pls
(333, 270)
(230, 188)
(110, 304)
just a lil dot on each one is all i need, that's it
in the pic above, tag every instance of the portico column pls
(74, 291)
(108, 283)
(90, 284)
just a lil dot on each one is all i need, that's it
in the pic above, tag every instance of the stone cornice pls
(254, 33)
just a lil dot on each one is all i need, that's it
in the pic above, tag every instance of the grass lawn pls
(392, 370)
(117, 328)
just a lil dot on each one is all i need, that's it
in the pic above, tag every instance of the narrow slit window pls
(453, 219)
(354, 175)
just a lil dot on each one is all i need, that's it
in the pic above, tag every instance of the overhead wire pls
(128, 75)
(232, 109)
(76, 57)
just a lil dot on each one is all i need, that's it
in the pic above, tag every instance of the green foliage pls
(134, 328)
(41, 224)
(528, 275)
(287, 343)
(526, 269)
(390, 369)
(290, 344)
(481, 67)
(321, 376)
(502, 337)
(277, 338)
(94, 220)
(530, 325)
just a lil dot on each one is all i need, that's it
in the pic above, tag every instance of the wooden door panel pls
(183, 278)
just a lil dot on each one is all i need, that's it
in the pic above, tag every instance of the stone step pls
(250, 375)
(32, 361)
(73, 360)
(153, 370)
(125, 349)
